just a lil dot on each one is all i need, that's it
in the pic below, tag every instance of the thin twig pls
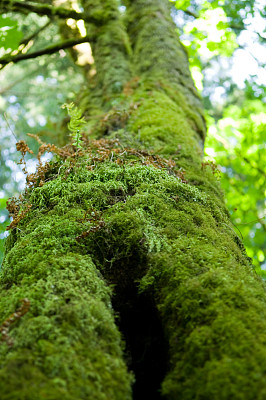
(251, 222)
(5, 116)
(190, 13)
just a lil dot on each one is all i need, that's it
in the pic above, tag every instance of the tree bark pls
(123, 252)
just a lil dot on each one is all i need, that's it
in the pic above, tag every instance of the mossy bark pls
(131, 235)
(111, 48)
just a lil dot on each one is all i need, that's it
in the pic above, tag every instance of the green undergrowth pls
(112, 231)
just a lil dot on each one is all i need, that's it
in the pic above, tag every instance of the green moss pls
(141, 226)
(159, 57)
(159, 61)
(114, 225)
(162, 125)
(111, 48)
(67, 345)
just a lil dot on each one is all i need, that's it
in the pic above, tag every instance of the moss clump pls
(67, 345)
(148, 234)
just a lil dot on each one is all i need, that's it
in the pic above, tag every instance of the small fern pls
(75, 124)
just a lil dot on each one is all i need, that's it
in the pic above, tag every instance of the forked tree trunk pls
(126, 268)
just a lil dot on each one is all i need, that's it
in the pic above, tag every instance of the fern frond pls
(75, 124)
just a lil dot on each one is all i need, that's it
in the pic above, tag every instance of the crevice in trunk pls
(139, 322)
(145, 344)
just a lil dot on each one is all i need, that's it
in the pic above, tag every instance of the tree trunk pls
(123, 269)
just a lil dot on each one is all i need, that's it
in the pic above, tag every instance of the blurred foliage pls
(10, 35)
(237, 142)
(224, 40)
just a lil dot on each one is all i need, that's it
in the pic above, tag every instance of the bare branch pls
(48, 10)
(48, 50)
(190, 13)
(232, 26)
(245, 48)
(243, 27)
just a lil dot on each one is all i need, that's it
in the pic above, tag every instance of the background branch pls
(190, 13)
(48, 50)
(50, 11)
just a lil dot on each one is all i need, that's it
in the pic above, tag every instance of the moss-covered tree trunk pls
(122, 268)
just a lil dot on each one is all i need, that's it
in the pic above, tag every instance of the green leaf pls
(182, 4)
(212, 46)
(222, 25)
(10, 36)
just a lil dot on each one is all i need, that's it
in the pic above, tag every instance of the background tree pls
(128, 215)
